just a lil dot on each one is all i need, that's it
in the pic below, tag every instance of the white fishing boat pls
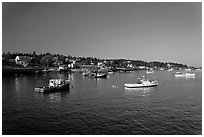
(142, 83)
(180, 74)
(186, 74)
(189, 74)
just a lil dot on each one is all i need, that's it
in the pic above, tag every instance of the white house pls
(22, 60)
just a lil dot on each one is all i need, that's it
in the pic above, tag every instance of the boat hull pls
(127, 85)
(193, 74)
(179, 75)
(64, 88)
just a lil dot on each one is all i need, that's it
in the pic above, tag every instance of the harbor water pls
(103, 106)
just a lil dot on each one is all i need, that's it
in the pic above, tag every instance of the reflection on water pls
(190, 77)
(54, 98)
(39, 95)
(71, 78)
(139, 91)
(17, 84)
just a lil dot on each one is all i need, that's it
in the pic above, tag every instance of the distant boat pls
(189, 74)
(198, 69)
(110, 72)
(142, 83)
(88, 73)
(45, 70)
(171, 69)
(55, 85)
(179, 74)
(100, 75)
(182, 74)
(149, 71)
(188, 69)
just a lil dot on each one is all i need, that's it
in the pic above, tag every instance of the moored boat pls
(190, 74)
(149, 71)
(55, 85)
(186, 74)
(110, 72)
(171, 69)
(100, 75)
(88, 73)
(142, 83)
(179, 74)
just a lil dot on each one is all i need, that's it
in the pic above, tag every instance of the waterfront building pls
(23, 60)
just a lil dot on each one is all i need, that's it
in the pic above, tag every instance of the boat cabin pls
(56, 82)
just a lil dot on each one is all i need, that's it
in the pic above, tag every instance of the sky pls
(166, 32)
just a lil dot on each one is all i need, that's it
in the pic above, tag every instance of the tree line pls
(48, 59)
